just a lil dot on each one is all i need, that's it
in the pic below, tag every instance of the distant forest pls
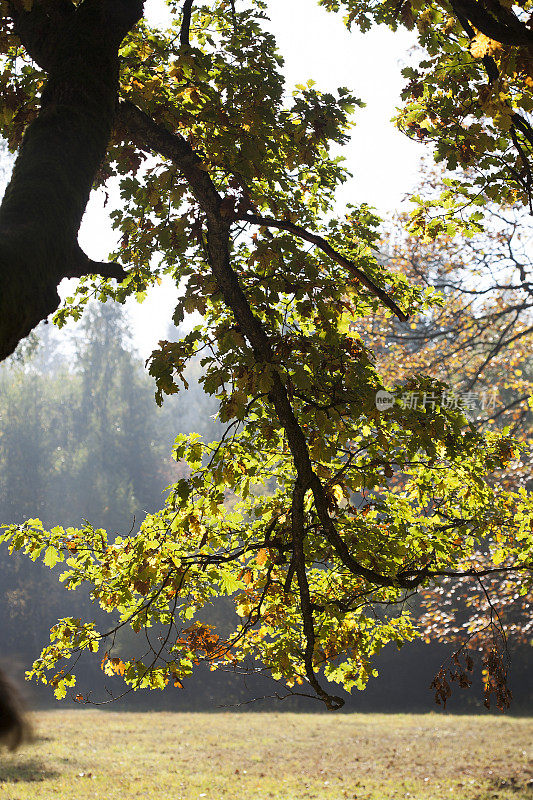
(81, 438)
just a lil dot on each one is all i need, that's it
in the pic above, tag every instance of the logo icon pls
(384, 400)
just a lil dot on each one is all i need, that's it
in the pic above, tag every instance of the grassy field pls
(112, 756)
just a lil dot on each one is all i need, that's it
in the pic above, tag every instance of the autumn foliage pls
(319, 512)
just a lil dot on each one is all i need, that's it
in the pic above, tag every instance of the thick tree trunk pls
(43, 205)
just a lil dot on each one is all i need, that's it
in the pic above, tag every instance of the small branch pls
(524, 127)
(474, 573)
(493, 613)
(527, 180)
(267, 222)
(275, 696)
(186, 24)
(83, 265)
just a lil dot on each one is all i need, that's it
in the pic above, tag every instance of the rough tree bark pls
(42, 208)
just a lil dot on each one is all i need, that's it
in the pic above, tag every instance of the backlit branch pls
(302, 233)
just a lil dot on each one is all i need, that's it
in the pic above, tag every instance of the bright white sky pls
(315, 45)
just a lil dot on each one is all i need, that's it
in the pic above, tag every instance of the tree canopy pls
(330, 498)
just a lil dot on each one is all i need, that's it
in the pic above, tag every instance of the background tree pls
(477, 340)
(80, 436)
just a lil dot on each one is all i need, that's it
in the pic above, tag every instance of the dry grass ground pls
(256, 756)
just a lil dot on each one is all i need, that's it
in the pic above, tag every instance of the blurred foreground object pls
(14, 726)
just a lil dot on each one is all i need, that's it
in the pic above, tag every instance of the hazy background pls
(82, 438)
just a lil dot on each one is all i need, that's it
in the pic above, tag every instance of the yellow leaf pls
(337, 493)
(479, 45)
(118, 666)
(190, 94)
(503, 120)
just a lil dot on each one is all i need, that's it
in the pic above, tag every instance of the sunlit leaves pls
(392, 496)
(467, 94)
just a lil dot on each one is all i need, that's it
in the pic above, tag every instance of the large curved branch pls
(150, 136)
(153, 137)
(495, 21)
(332, 702)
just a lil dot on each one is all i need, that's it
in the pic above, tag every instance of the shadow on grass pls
(513, 787)
(28, 770)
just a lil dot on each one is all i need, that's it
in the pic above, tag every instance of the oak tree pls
(326, 503)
